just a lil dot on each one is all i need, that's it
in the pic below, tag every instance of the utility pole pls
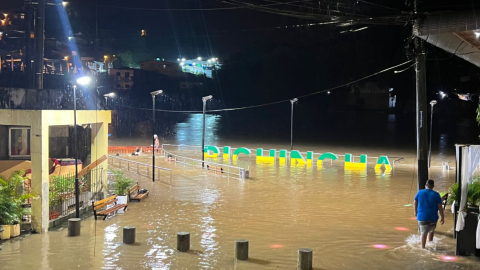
(40, 42)
(29, 18)
(421, 108)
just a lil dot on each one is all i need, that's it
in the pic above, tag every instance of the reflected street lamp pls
(204, 99)
(154, 94)
(293, 101)
(83, 81)
(432, 103)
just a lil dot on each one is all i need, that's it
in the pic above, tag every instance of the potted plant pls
(473, 195)
(12, 198)
(121, 186)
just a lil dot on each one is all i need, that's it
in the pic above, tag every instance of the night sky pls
(190, 28)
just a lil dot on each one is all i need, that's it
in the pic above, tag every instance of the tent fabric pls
(471, 159)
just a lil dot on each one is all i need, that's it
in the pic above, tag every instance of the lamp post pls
(293, 101)
(109, 95)
(204, 99)
(432, 103)
(81, 81)
(154, 94)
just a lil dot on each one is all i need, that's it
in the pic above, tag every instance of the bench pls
(110, 201)
(133, 193)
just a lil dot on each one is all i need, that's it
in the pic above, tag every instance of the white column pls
(39, 145)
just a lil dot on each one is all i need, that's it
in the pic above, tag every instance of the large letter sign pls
(296, 159)
(262, 159)
(383, 160)
(283, 157)
(350, 165)
(324, 156)
(227, 153)
(211, 151)
(241, 150)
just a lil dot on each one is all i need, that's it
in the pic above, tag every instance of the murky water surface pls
(351, 220)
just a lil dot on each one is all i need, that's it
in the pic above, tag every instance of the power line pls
(277, 102)
(182, 9)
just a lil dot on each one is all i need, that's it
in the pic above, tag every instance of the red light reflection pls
(276, 246)
(402, 229)
(448, 258)
(380, 246)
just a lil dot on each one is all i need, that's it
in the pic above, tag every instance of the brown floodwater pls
(351, 220)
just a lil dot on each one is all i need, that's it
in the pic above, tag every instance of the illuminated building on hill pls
(200, 66)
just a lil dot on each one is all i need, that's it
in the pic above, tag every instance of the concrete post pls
(241, 249)
(74, 227)
(183, 241)
(39, 145)
(129, 234)
(305, 259)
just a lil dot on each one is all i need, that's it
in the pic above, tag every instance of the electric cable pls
(179, 9)
(277, 102)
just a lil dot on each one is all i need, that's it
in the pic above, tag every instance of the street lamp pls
(154, 94)
(293, 101)
(204, 99)
(81, 81)
(432, 103)
(109, 95)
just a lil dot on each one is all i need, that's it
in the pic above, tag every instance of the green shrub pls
(121, 182)
(12, 197)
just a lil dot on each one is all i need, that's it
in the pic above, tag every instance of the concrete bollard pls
(305, 258)
(74, 227)
(241, 249)
(183, 241)
(129, 234)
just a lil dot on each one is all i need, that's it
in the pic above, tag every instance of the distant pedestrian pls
(157, 142)
(427, 205)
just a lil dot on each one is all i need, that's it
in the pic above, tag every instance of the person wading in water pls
(427, 205)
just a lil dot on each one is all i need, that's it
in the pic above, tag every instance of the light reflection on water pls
(351, 219)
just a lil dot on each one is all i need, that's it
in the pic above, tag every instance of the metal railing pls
(62, 192)
(139, 168)
(234, 171)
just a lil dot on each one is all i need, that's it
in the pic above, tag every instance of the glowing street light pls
(183, 59)
(154, 94)
(204, 100)
(64, 3)
(81, 81)
(293, 101)
(109, 95)
(199, 58)
(85, 80)
(432, 103)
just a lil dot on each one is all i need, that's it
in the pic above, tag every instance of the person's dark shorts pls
(427, 226)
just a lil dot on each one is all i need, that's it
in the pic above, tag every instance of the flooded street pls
(351, 220)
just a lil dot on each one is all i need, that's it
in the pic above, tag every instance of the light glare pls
(83, 80)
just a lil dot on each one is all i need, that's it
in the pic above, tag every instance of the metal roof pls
(457, 33)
